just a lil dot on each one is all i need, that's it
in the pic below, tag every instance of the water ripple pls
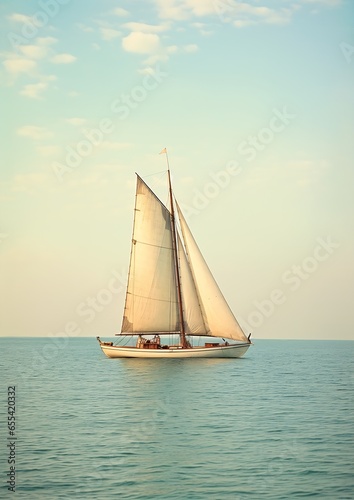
(275, 425)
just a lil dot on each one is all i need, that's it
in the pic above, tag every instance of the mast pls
(175, 254)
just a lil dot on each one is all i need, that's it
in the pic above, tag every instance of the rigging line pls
(150, 244)
(125, 339)
(148, 332)
(156, 173)
(148, 297)
(158, 181)
(152, 192)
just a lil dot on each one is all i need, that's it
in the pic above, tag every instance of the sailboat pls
(171, 293)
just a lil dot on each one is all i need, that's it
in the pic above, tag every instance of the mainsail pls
(151, 301)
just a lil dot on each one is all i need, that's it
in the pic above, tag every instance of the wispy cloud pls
(308, 173)
(192, 47)
(239, 13)
(115, 146)
(141, 43)
(17, 65)
(324, 2)
(147, 28)
(203, 28)
(109, 34)
(19, 18)
(146, 39)
(47, 40)
(120, 12)
(108, 31)
(38, 50)
(303, 173)
(63, 59)
(34, 90)
(31, 54)
(172, 9)
(48, 150)
(77, 122)
(29, 183)
(34, 51)
(242, 14)
(85, 28)
(34, 132)
(27, 62)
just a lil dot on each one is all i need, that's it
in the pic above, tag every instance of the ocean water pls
(276, 424)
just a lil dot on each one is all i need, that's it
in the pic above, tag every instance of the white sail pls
(193, 317)
(151, 302)
(219, 317)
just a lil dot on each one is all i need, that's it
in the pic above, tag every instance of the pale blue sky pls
(256, 96)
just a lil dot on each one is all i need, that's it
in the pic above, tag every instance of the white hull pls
(231, 351)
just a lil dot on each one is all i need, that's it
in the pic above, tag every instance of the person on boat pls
(140, 342)
(156, 340)
(249, 337)
(188, 344)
